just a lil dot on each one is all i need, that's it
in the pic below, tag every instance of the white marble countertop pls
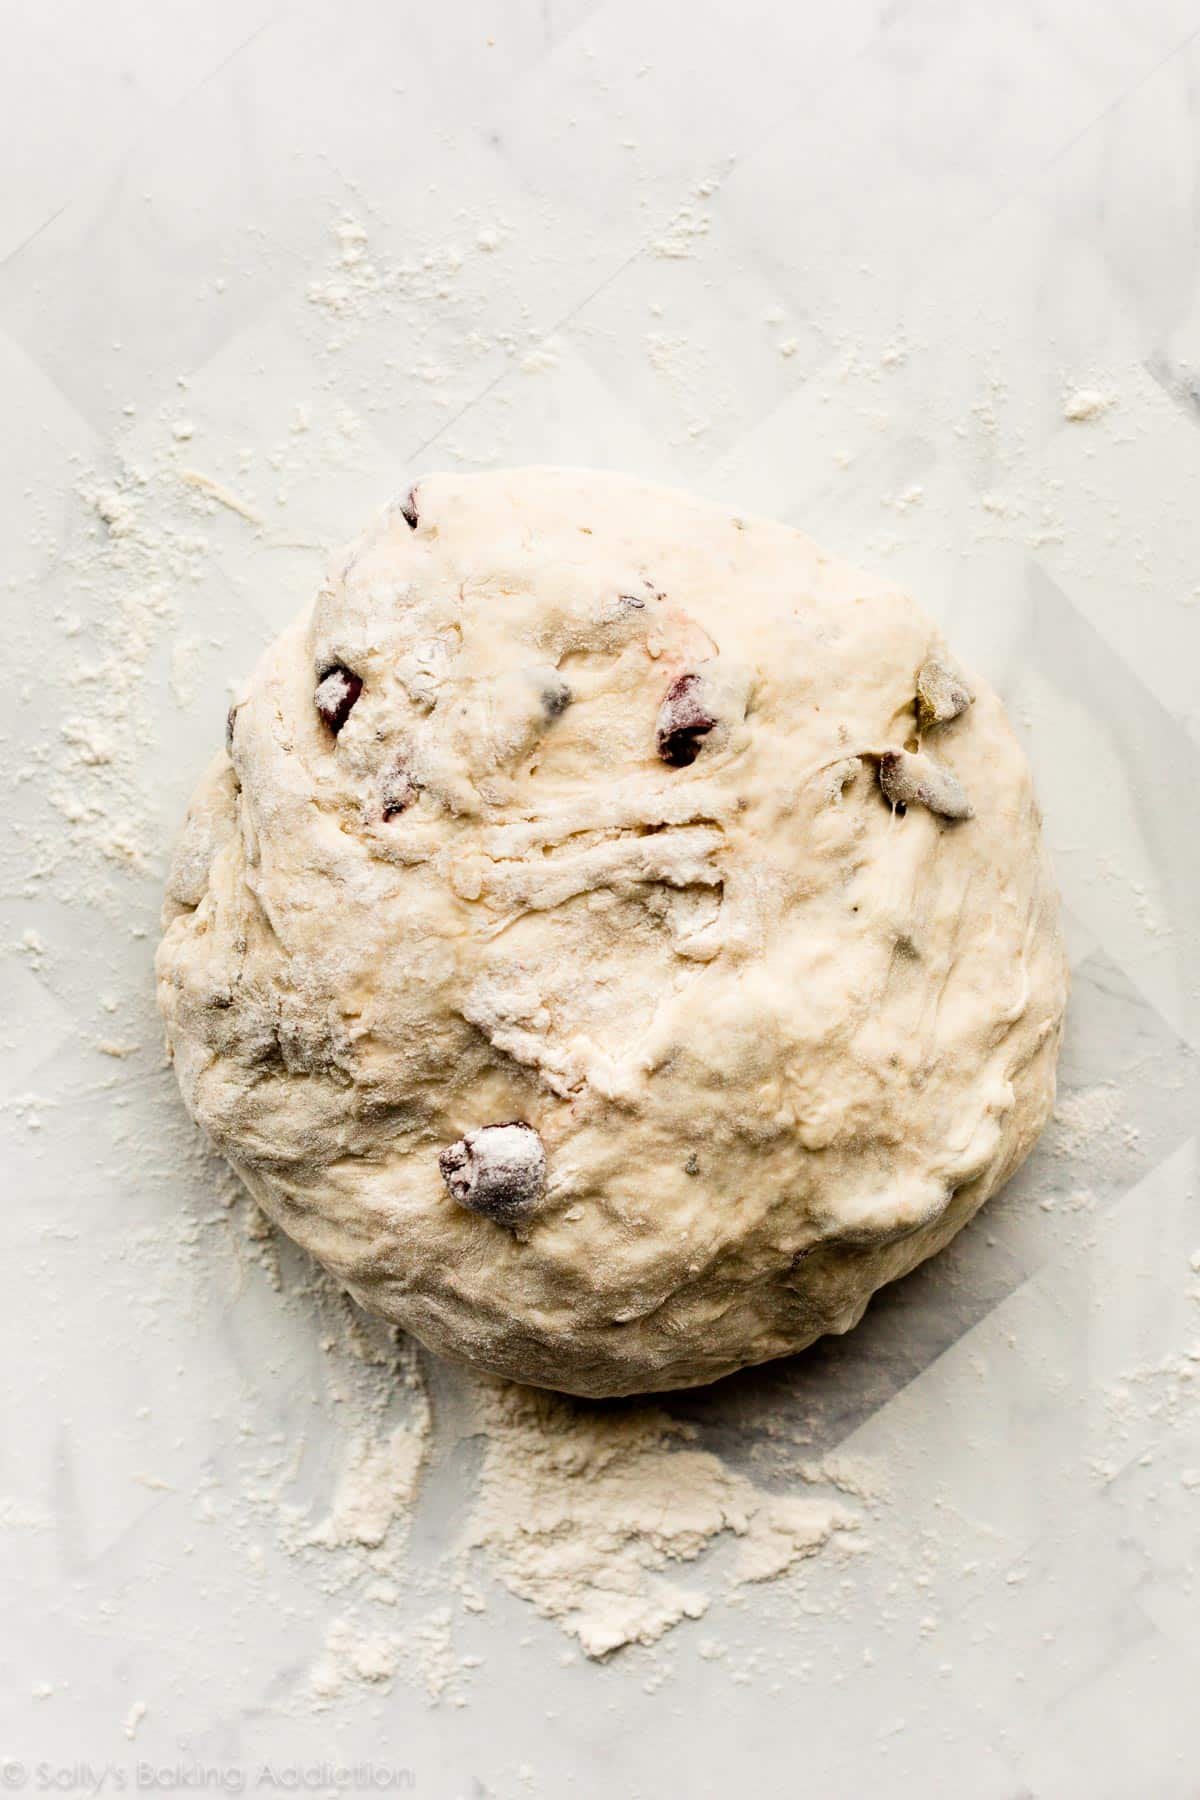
(920, 277)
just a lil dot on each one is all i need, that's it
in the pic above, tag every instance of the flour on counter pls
(216, 490)
(593, 1515)
(1085, 404)
(1150, 1403)
(690, 223)
(1081, 1118)
(377, 1486)
(349, 1655)
(34, 947)
(126, 566)
(589, 1514)
(134, 1717)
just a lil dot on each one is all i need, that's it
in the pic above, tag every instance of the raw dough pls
(593, 951)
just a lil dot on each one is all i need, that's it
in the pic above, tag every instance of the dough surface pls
(617, 938)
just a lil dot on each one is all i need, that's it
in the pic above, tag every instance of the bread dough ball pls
(617, 938)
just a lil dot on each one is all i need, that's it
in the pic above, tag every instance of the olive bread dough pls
(616, 938)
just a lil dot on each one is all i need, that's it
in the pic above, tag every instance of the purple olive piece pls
(556, 696)
(499, 1170)
(336, 693)
(683, 721)
(399, 791)
(408, 509)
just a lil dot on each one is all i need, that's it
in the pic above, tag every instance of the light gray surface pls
(845, 265)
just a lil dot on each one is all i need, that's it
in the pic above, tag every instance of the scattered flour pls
(18, 1515)
(432, 1653)
(134, 1717)
(543, 358)
(34, 946)
(357, 278)
(1085, 404)
(377, 1486)
(1151, 1402)
(583, 1511)
(691, 223)
(182, 679)
(1079, 1200)
(218, 492)
(351, 1655)
(130, 565)
(590, 1514)
(1081, 1118)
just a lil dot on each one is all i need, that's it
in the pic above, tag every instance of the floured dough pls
(618, 938)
